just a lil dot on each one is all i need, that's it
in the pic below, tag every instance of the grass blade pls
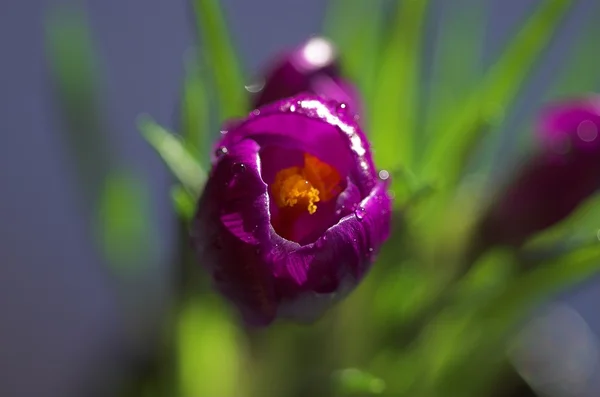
(457, 64)
(210, 351)
(359, 48)
(446, 155)
(221, 57)
(74, 71)
(183, 201)
(577, 76)
(581, 75)
(395, 102)
(472, 339)
(194, 111)
(124, 228)
(176, 155)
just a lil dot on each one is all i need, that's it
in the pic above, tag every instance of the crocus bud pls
(553, 181)
(293, 212)
(313, 68)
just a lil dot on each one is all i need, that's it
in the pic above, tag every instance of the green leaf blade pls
(395, 102)
(180, 160)
(221, 56)
(359, 48)
(446, 155)
(195, 111)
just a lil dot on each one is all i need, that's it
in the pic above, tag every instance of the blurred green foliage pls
(117, 198)
(425, 322)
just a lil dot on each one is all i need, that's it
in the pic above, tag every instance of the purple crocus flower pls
(555, 180)
(293, 212)
(311, 68)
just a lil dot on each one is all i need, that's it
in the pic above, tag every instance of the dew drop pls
(253, 88)
(318, 52)
(360, 213)
(342, 108)
(292, 108)
(255, 112)
(384, 175)
(238, 168)
(220, 152)
(224, 132)
(370, 249)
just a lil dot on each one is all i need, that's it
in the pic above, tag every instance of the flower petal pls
(231, 229)
(263, 274)
(310, 68)
(331, 267)
(319, 127)
(553, 182)
(571, 125)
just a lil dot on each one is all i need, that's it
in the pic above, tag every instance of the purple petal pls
(555, 181)
(263, 274)
(571, 125)
(310, 68)
(230, 229)
(315, 126)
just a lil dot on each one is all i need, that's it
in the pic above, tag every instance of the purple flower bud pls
(311, 68)
(555, 180)
(293, 212)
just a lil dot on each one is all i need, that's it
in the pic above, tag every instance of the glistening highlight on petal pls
(311, 68)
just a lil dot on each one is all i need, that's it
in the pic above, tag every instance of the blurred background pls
(68, 326)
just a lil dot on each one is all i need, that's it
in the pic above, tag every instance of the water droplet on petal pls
(238, 168)
(255, 112)
(587, 131)
(318, 52)
(370, 249)
(292, 108)
(342, 108)
(223, 132)
(360, 213)
(384, 175)
(220, 152)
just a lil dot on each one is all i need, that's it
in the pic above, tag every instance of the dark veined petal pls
(264, 274)
(311, 68)
(231, 228)
(553, 182)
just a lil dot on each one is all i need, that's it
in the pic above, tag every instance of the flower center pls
(306, 186)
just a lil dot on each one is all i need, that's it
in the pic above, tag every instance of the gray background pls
(61, 320)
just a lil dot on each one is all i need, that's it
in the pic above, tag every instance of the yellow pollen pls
(305, 186)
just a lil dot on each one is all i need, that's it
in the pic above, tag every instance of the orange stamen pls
(306, 186)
